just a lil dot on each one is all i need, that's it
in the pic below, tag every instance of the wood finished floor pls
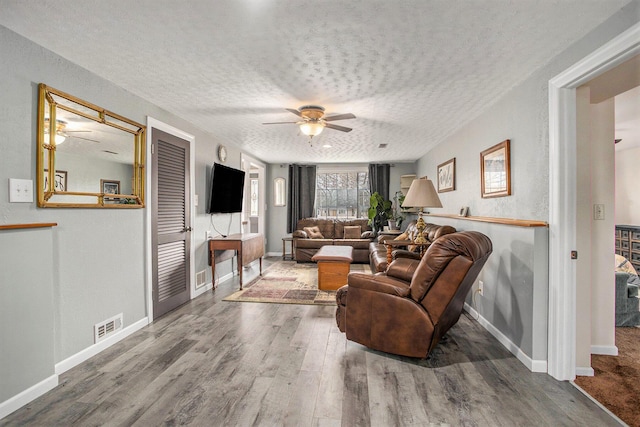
(217, 363)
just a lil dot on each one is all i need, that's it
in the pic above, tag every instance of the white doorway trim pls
(157, 124)
(562, 195)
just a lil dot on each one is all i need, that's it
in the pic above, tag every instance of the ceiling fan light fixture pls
(60, 137)
(311, 128)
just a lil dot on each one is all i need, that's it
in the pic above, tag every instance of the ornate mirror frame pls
(58, 107)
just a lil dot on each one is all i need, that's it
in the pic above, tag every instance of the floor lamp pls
(422, 194)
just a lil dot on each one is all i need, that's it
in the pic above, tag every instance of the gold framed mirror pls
(96, 158)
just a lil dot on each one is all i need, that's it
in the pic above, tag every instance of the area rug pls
(287, 282)
(616, 383)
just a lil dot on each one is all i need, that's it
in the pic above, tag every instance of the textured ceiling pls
(412, 71)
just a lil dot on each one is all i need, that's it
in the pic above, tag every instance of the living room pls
(80, 272)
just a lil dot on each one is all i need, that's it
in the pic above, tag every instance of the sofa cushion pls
(340, 225)
(313, 232)
(352, 232)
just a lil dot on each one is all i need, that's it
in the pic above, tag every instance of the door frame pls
(561, 363)
(157, 124)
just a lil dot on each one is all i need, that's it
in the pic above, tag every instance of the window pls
(342, 194)
(254, 197)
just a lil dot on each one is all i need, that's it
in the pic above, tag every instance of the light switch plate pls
(598, 211)
(20, 190)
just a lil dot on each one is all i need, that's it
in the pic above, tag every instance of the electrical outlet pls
(598, 211)
(481, 287)
(207, 235)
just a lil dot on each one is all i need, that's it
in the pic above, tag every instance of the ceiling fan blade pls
(340, 117)
(86, 139)
(336, 127)
(278, 123)
(296, 112)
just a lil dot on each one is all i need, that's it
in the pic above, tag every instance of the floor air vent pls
(107, 328)
(201, 279)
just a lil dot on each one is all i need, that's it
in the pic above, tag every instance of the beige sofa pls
(313, 233)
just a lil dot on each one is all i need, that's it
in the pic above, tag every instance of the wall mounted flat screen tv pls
(225, 190)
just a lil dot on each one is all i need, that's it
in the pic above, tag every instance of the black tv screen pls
(226, 189)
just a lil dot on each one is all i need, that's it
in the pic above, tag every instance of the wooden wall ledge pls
(492, 220)
(22, 226)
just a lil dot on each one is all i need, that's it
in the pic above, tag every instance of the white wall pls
(627, 190)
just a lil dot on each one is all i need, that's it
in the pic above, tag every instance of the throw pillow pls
(368, 235)
(313, 232)
(623, 265)
(352, 231)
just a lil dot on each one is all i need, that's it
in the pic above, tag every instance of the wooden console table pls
(249, 247)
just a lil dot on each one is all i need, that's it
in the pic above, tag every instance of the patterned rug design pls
(287, 282)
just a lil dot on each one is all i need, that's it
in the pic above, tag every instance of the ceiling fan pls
(62, 133)
(313, 120)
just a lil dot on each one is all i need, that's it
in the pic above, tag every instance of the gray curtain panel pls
(302, 194)
(379, 179)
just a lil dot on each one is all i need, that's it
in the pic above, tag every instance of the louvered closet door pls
(170, 225)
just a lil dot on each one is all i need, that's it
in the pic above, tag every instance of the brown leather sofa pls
(378, 251)
(332, 232)
(408, 309)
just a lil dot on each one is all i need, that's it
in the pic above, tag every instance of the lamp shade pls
(311, 128)
(422, 194)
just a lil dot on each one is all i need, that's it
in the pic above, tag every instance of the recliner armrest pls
(378, 283)
(403, 269)
(403, 253)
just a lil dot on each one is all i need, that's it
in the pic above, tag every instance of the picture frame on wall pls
(109, 186)
(59, 180)
(447, 176)
(495, 170)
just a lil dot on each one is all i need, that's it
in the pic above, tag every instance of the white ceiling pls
(412, 71)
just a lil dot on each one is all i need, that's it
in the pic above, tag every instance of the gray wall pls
(26, 309)
(523, 117)
(97, 255)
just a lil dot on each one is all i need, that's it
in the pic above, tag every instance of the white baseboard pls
(30, 394)
(91, 351)
(274, 254)
(201, 290)
(604, 350)
(532, 365)
(584, 372)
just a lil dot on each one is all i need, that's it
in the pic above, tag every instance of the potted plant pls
(380, 211)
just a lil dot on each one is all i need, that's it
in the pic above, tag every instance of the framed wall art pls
(59, 180)
(108, 186)
(495, 170)
(447, 176)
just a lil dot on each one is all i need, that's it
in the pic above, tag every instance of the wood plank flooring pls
(217, 363)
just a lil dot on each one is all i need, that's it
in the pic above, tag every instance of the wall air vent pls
(107, 328)
(382, 145)
(201, 279)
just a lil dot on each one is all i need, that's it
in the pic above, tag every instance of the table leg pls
(261, 266)
(213, 271)
(389, 254)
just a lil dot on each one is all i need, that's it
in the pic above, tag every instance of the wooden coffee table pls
(333, 266)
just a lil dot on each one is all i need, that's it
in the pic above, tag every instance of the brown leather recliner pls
(409, 308)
